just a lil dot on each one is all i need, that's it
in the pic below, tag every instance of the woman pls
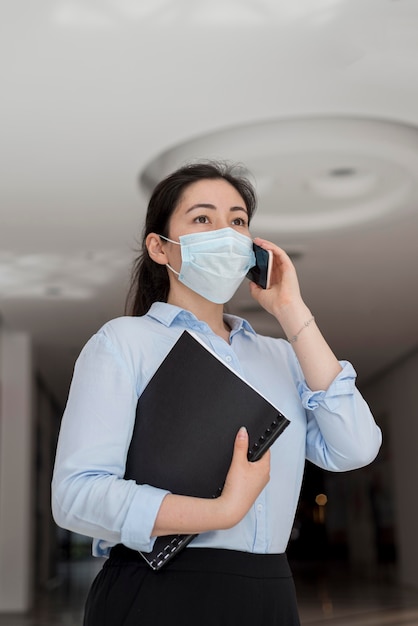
(235, 571)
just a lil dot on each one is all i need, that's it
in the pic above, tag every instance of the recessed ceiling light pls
(343, 171)
(343, 182)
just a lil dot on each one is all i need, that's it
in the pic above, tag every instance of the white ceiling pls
(318, 98)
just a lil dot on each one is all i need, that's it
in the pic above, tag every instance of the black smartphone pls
(261, 272)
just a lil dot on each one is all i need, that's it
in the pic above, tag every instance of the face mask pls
(214, 263)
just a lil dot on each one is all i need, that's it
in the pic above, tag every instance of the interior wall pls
(16, 472)
(47, 420)
(392, 398)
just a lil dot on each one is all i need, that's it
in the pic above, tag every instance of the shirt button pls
(259, 508)
(228, 358)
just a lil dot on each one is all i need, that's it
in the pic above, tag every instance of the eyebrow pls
(213, 207)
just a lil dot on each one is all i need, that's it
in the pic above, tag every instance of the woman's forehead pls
(217, 192)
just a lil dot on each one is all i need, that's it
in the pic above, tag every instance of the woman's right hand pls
(244, 482)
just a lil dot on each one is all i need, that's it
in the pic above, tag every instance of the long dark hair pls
(149, 281)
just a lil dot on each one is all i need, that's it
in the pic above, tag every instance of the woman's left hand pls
(284, 288)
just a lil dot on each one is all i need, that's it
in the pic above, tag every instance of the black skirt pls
(204, 586)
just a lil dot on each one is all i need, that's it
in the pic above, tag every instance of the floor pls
(328, 596)
(335, 597)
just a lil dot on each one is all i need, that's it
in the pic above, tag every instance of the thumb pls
(241, 442)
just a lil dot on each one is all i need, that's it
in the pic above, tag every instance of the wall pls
(393, 396)
(16, 471)
(47, 420)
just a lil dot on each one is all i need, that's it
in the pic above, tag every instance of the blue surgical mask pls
(214, 263)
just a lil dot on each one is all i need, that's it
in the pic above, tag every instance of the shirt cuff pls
(342, 385)
(139, 522)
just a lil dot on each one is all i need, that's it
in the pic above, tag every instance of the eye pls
(239, 221)
(202, 219)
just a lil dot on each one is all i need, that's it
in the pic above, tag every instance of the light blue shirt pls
(334, 429)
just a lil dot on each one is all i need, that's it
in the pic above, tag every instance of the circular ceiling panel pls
(312, 174)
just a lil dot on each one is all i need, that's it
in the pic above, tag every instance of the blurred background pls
(317, 100)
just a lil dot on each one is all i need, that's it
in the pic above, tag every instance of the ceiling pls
(318, 99)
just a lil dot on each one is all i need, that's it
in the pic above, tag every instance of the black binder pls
(186, 421)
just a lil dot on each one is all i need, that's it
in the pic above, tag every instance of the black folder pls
(186, 422)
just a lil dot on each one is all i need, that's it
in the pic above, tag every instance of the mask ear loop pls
(170, 240)
(172, 269)
(168, 264)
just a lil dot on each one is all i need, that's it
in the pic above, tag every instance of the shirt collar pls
(168, 314)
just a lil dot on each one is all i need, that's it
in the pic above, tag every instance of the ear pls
(156, 249)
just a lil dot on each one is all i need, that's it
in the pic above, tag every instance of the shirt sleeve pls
(89, 493)
(341, 432)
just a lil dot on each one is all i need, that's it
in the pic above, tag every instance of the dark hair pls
(149, 281)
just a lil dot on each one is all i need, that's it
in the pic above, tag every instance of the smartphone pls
(261, 272)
